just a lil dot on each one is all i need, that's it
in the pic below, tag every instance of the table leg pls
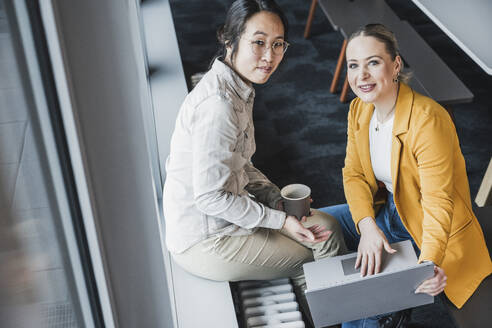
(338, 69)
(343, 95)
(307, 31)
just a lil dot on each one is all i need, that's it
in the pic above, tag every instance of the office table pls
(467, 23)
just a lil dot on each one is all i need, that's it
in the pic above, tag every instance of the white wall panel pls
(12, 105)
(8, 174)
(11, 141)
(30, 191)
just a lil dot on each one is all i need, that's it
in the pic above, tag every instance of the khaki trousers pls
(264, 255)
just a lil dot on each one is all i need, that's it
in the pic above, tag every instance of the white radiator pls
(269, 304)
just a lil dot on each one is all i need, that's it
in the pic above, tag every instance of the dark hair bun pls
(220, 34)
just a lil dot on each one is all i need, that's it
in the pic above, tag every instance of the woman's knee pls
(341, 212)
(328, 221)
(324, 219)
(344, 217)
(335, 245)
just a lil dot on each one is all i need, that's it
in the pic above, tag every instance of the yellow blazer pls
(430, 187)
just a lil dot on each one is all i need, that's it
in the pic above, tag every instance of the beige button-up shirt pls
(211, 186)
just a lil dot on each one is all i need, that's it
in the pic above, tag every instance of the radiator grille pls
(268, 304)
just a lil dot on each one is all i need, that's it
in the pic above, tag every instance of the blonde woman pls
(407, 143)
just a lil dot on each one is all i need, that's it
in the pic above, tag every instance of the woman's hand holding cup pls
(314, 234)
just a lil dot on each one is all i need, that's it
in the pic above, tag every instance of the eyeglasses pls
(278, 47)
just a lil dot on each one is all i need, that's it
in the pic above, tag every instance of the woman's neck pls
(229, 63)
(385, 107)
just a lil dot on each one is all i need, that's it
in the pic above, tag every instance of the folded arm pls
(263, 189)
(215, 178)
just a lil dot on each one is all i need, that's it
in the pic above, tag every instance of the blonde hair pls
(387, 37)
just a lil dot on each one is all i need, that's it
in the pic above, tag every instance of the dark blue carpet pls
(301, 126)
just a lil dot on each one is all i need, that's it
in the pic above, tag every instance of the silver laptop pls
(337, 293)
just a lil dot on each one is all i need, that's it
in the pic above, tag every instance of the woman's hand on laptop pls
(435, 285)
(313, 234)
(372, 242)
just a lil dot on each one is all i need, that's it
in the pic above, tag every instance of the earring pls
(397, 78)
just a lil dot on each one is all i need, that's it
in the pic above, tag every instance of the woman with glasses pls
(224, 218)
(405, 144)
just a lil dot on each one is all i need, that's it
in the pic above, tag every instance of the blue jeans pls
(389, 222)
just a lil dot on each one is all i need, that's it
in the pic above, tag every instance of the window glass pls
(34, 288)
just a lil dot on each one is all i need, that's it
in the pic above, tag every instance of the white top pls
(380, 149)
(211, 187)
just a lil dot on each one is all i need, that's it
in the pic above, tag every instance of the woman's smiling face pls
(371, 70)
(263, 28)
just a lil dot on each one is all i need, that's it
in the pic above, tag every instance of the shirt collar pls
(243, 89)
